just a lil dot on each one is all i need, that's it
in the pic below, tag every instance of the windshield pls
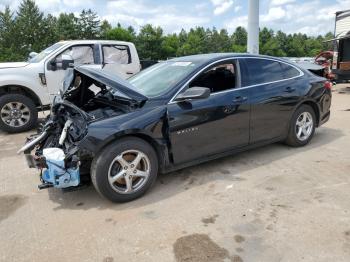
(160, 78)
(45, 53)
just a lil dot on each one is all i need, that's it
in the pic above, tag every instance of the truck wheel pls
(125, 170)
(302, 126)
(17, 113)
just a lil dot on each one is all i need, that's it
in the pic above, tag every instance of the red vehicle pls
(324, 59)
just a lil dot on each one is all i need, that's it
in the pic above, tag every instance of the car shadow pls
(228, 169)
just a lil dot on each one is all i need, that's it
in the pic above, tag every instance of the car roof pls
(95, 42)
(207, 58)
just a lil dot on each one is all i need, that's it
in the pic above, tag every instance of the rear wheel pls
(302, 126)
(17, 113)
(125, 170)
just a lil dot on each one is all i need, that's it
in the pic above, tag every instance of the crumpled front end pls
(57, 173)
(87, 96)
(56, 150)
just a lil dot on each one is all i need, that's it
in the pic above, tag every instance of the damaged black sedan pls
(121, 134)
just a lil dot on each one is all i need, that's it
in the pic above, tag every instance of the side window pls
(259, 71)
(81, 54)
(263, 71)
(116, 54)
(217, 78)
(289, 71)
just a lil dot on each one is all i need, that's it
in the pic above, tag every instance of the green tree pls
(29, 29)
(265, 35)
(49, 25)
(273, 48)
(313, 46)
(239, 40)
(104, 28)
(7, 39)
(296, 45)
(170, 45)
(195, 42)
(282, 40)
(67, 26)
(149, 42)
(88, 25)
(240, 36)
(121, 34)
(225, 40)
(330, 44)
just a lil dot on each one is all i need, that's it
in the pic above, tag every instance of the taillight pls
(328, 85)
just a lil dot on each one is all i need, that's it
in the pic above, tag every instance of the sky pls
(312, 17)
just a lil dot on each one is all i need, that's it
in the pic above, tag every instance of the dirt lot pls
(270, 204)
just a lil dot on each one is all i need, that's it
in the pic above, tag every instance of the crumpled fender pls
(150, 124)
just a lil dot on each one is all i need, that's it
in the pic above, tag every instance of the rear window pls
(289, 71)
(262, 71)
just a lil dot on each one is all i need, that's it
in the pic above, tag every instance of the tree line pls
(27, 29)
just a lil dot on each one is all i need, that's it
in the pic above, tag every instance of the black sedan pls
(121, 134)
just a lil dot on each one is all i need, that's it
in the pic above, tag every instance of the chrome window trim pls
(301, 73)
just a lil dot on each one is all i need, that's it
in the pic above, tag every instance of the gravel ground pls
(269, 204)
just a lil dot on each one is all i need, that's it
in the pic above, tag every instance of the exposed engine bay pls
(57, 154)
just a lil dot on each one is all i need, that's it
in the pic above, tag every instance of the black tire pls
(101, 164)
(293, 139)
(18, 98)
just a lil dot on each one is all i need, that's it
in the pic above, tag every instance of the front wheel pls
(125, 170)
(302, 126)
(17, 113)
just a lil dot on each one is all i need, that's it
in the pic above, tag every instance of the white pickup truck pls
(29, 87)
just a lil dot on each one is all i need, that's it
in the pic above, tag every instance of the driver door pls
(199, 128)
(82, 54)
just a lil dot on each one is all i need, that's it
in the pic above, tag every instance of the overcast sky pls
(312, 17)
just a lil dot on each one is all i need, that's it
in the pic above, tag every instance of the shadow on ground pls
(168, 185)
(343, 90)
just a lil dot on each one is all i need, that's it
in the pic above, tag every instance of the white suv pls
(28, 87)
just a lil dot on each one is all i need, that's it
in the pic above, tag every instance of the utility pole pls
(253, 27)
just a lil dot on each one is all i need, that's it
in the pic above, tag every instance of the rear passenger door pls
(274, 94)
(117, 59)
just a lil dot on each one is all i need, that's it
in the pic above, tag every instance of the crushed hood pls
(112, 81)
(13, 65)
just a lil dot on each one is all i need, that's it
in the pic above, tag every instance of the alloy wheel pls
(15, 114)
(304, 126)
(129, 171)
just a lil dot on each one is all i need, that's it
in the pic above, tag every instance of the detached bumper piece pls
(57, 174)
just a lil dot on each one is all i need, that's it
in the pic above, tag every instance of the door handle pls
(289, 89)
(239, 99)
(129, 73)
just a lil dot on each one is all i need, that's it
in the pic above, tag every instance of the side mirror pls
(32, 54)
(195, 92)
(67, 61)
(52, 65)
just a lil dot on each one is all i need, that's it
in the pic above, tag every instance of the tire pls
(294, 139)
(25, 118)
(107, 165)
